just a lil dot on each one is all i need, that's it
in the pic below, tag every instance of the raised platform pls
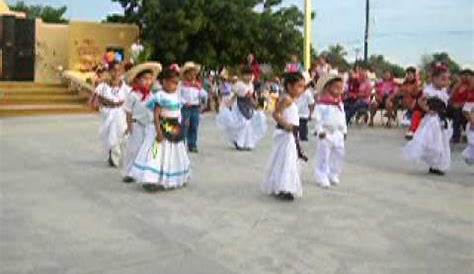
(27, 98)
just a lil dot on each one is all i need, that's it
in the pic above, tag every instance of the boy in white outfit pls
(331, 129)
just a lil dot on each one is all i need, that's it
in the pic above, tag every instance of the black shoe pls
(435, 171)
(110, 161)
(151, 187)
(128, 180)
(285, 196)
(193, 150)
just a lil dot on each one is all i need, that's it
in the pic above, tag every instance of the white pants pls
(329, 158)
(112, 131)
(134, 143)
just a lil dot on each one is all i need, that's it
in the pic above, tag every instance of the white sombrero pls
(154, 67)
(323, 81)
(190, 66)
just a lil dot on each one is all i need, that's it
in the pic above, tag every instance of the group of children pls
(155, 124)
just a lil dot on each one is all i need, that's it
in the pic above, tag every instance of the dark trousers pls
(190, 122)
(459, 122)
(353, 108)
(303, 129)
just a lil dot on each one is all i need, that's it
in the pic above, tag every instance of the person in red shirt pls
(358, 94)
(383, 94)
(458, 98)
(408, 93)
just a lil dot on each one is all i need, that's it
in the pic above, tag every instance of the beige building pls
(47, 49)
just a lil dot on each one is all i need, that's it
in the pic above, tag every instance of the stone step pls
(27, 110)
(15, 99)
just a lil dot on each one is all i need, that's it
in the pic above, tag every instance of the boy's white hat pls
(154, 67)
(323, 81)
(190, 66)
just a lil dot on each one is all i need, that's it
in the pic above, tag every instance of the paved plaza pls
(63, 211)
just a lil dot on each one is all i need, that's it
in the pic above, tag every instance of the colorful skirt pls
(430, 144)
(240, 131)
(166, 163)
(283, 170)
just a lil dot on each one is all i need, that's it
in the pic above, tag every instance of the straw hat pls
(190, 66)
(154, 67)
(323, 81)
(224, 74)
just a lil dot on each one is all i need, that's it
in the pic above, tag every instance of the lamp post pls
(307, 34)
(366, 36)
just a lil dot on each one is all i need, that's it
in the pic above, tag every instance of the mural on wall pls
(90, 54)
(51, 54)
(93, 44)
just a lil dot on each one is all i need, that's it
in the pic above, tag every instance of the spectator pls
(383, 95)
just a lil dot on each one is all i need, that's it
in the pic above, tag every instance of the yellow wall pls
(88, 41)
(51, 51)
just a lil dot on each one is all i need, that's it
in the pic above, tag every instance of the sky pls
(402, 30)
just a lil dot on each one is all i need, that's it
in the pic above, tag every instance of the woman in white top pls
(112, 130)
(282, 177)
(430, 144)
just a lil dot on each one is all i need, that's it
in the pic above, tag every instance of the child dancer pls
(111, 97)
(243, 125)
(162, 162)
(139, 117)
(468, 153)
(305, 105)
(192, 95)
(331, 130)
(430, 143)
(283, 175)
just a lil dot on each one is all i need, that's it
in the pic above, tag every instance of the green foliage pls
(336, 56)
(216, 32)
(47, 13)
(427, 61)
(379, 64)
(146, 54)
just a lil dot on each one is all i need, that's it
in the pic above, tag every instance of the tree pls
(216, 32)
(47, 13)
(336, 56)
(427, 61)
(379, 64)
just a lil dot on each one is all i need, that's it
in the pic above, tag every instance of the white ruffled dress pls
(166, 163)
(283, 170)
(238, 129)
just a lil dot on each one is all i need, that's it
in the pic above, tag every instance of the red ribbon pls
(144, 91)
(331, 101)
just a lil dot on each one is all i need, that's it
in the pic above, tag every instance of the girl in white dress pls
(112, 130)
(162, 162)
(468, 153)
(331, 129)
(430, 144)
(282, 178)
(241, 122)
(139, 116)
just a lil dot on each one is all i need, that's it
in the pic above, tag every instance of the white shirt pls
(304, 103)
(191, 95)
(138, 108)
(431, 91)
(113, 94)
(330, 119)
